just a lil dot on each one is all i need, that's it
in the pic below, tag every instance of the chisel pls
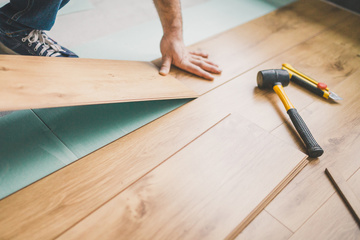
(310, 84)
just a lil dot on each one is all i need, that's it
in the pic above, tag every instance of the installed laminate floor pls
(308, 208)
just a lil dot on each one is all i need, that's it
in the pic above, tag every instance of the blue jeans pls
(19, 16)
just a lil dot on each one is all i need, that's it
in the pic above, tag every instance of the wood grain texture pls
(74, 192)
(202, 192)
(33, 82)
(242, 48)
(263, 227)
(354, 182)
(67, 196)
(337, 129)
(329, 57)
(264, 108)
(332, 221)
(242, 225)
(345, 192)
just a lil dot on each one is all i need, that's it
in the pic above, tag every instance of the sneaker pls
(35, 43)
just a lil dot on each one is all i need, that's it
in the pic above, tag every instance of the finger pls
(205, 60)
(192, 68)
(206, 66)
(198, 53)
(165, 67)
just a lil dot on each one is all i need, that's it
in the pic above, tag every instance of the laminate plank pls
(354, 182)
(265, 226)
(70, 194)
(202, 192)
(242, 225)
(81, 198)
(332, 221)
(313, 57)
(33, 82)
(345, 192)
(336, 127)
(246, 46)
(329, 57)
(298, 201)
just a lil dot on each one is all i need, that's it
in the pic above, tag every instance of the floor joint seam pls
(141, 177)
(62, 142)
(278, 220)
(315, 212)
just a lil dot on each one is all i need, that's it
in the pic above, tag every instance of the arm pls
(172, 46)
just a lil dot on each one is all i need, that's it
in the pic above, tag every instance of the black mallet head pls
(271, 77)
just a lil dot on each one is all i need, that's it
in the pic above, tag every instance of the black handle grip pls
(307, 85)
(313, 148)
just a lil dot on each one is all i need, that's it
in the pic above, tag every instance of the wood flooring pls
(201, 170)
(36, 82)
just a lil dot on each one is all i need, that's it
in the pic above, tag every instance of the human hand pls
(174, 52)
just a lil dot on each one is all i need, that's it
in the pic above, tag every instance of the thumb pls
(165, 67)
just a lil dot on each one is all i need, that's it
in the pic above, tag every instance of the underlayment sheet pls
(5, 113)
(83, 129)
(141, 43)
(28, 151)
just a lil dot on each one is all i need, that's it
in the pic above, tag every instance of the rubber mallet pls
(276, 79)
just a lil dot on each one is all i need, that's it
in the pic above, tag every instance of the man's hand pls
(174, 52)
(172, 45)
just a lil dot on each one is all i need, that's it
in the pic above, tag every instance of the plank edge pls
(261, 206)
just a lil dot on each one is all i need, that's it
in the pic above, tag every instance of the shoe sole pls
(6, 50)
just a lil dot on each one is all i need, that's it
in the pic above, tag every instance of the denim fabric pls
(19, 16)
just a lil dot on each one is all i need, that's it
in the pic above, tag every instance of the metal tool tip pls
(334, 96)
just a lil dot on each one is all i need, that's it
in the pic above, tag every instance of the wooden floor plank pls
(354, 182)
(336, 127)
(345, 192)
(242, 48)
(333, 220)
(329, 57)
(265, 227)
(70, 194)
(202, 192)
(33, 82)
(264, 108)
(332, 57)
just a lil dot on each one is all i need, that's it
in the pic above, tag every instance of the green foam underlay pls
(84, 129)
(28, 151)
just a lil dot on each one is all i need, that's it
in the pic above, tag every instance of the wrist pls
(173, 33)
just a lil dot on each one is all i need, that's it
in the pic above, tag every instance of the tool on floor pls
(320, 89)
(276, 79)
(345, 192)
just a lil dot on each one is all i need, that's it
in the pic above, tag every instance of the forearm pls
(172, 46)
(170, 16)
